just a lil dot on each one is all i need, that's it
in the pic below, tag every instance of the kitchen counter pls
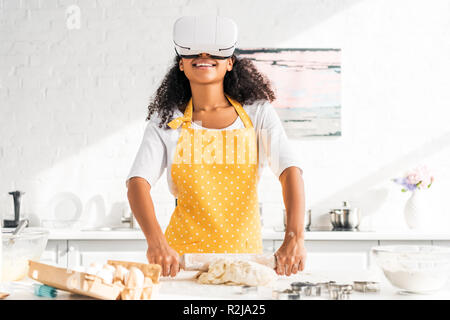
(267, 234)
(183, 287)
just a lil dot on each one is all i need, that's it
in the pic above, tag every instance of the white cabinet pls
(55, 253)
(84, 252)
(442, 243)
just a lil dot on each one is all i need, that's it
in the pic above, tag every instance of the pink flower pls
(420, 174)
(413, 177)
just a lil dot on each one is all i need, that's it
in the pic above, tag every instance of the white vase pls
(416, 210)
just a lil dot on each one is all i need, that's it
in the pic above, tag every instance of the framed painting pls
(307, 83)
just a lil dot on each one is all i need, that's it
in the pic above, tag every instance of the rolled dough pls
(235, 272)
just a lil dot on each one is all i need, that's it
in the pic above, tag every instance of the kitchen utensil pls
(307, 219)
(28, 245)
(338, 294)
(38, 289)
(201, 261)
(340, 291)
(22, 224)
(287, 294)
(306, 288)
(17, 199)
(345, 218)
(341, 286)
(366, 286)
(334, 219)
(414, 268)
(323, 287)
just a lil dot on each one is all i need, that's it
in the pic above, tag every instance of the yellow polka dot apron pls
(215, 177)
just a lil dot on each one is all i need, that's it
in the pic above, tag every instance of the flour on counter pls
(237, 273)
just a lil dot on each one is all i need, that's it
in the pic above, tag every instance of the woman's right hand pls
(159, 252)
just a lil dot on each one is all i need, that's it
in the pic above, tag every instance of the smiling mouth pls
(203, 65)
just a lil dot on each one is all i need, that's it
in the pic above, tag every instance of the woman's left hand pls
(291, 256)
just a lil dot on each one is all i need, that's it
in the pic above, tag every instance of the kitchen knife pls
(201, 261)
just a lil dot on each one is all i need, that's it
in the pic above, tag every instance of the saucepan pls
(345, 218)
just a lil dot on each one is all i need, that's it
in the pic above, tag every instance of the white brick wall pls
(73, 101)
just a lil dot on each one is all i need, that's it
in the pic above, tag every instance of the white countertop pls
(267, 234)
(178, 287)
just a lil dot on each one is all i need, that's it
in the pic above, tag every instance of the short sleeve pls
(151, 159)
(278, 149)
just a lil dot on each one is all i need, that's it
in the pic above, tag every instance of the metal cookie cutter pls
(287, 294)
(306, 288)
(340, 291)
(366, 286)
(323, 287)
(336, 294)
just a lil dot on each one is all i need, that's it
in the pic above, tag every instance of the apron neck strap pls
(237, 106)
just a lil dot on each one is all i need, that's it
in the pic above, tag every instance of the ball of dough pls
(238, 273)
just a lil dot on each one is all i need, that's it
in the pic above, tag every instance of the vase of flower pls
(415, 210)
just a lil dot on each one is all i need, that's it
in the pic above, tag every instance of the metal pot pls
(345, 218)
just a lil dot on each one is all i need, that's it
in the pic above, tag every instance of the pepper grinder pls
(16, 197)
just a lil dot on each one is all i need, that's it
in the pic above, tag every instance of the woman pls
(196, 110)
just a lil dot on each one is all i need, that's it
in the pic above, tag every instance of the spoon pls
(22, 224)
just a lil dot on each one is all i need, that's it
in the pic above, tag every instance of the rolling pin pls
(201, 261)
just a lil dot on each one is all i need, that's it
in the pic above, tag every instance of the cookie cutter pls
(306, 288)
(366, 286)
(287, 294)
(340, 291)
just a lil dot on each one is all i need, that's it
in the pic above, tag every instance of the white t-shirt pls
(157, 149)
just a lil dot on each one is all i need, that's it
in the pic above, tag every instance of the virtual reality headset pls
(211, 34)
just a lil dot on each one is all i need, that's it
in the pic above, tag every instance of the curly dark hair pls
(244, 83)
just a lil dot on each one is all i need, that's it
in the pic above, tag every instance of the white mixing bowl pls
(414, 268)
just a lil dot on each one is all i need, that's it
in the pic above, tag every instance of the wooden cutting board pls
(201, 261)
